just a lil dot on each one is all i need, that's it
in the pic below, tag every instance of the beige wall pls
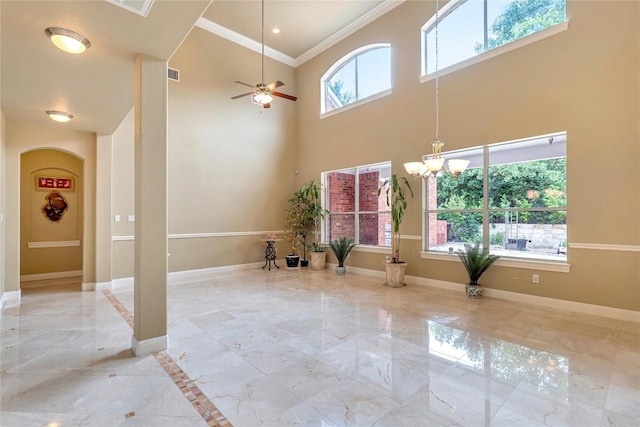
(583, 81)
(3, 183)
(231, 165)
(35, 227)
(20, 138)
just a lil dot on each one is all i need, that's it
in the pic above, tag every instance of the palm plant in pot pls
(476, 261)
(396, 190)
(341, 249)
(311, 191)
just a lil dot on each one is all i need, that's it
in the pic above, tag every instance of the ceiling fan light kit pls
(263, 94)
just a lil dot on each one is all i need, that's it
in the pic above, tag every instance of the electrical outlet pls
(536, 278)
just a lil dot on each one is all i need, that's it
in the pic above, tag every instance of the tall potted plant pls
(341, 249)
(296, 225)
(476, 261)
(396, 191)
(311, 191)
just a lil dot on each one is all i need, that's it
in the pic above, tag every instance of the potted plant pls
(341, 249)
(311, 191)
(475, 261)
(296, 225)
(396, 190)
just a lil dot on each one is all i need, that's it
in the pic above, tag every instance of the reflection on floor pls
(310, 348)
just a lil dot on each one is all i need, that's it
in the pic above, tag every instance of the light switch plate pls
(131, 218)
(116, 218)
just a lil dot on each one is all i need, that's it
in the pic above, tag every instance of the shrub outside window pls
(512, 199)
(356, 211)
(470, 27)
(359, 75)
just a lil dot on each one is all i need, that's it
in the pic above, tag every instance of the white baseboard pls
(103, 286)
(88, 286)
(578, 307)
(144, 347)
(46, 276)
(10, 299)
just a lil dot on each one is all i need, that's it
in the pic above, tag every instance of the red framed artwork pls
(49, 183)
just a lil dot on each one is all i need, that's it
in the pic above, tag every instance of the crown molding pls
(364, 20)
(384, 8)
(244, 41)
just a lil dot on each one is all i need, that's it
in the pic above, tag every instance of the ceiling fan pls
(263, 94)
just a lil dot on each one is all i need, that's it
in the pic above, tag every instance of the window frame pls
(560, 265)
(324, 228)
(485, 54)
(341, 63)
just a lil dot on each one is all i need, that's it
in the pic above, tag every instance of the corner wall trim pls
(54, 275)
(604, 247)
(88, 286)
(53, 244)
(10, 299)
(144, 347)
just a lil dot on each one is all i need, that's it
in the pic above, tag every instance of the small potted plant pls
(311, 191)
(476, 261)
(341, 249)
(396, 190)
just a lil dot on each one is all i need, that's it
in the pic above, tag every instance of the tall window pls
(356, 210)
(512, 199)
(359, 75)
(470, 27)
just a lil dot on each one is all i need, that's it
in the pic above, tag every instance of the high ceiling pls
(97, 86)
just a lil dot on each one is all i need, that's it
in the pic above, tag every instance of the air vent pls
(174, 74)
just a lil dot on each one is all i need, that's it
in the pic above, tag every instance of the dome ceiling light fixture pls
(67, 40)
(59, 116)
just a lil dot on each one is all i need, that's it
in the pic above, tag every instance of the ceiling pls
(97, 87)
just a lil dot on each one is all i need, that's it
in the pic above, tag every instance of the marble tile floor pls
(309, 348)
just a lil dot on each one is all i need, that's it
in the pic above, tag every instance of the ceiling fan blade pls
(240, 96)
(243, 83)
(267, 105)
(275, 84)
(284, 95)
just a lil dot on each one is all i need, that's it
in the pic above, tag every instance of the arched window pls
(470, 27)
(361, 74)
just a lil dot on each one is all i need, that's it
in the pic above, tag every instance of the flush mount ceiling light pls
(435, 163)
(67, 40)
(59, 116)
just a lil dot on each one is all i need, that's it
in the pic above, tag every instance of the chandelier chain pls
(262, 29)
(436, 77)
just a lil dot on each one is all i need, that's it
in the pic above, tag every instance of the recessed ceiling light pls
(275, 30)
(67, 40)
(59, 116)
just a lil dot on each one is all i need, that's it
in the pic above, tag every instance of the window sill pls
(373, 249)
(356, 104)
(531, 38)
(560, 267)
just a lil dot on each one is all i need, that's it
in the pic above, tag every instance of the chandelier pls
(435, 162)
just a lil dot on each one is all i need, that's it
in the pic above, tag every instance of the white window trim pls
(516, 44)
(339, 63)
(560, 267)
(356, 104)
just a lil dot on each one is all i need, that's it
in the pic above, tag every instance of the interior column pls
(150, 270)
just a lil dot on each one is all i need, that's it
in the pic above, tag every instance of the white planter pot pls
(318, 260)
(341, 271)
(395, 274)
